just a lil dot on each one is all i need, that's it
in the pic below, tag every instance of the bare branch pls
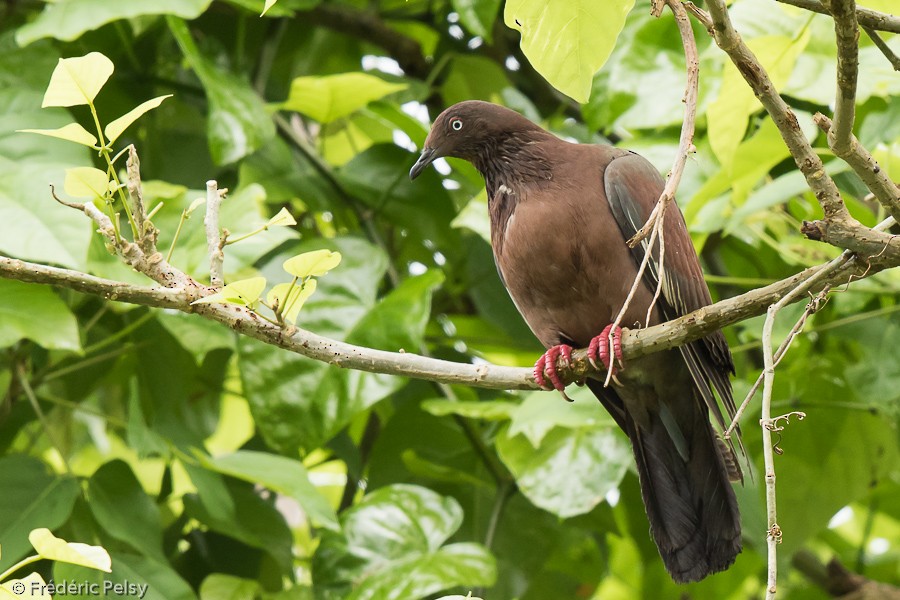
(846, 33)
(784, 118)
(213, 239)
(868, 18)
(885, 49)
(876, 179)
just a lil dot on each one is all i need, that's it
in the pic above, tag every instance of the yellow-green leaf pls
(269, 4)
(245, 292)
(567, 41)
(331, 97)
(294, 302)
(77, 80)
(72, 132)
(53, 548)
(86, 182)
(197, 203)
(312, 264)
(32, 586)
(115, 129)
(282, 219)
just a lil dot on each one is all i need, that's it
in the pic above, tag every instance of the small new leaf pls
(245, 292)
(53, 548)
(312, 264)
(282, 219)
(115, 129)
(72, 132)
(197, 203)
(86, 182)
(269, 4)
(295, 299)
(77, 81)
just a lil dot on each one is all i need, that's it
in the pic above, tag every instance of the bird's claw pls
(599, 349)
(546, 365)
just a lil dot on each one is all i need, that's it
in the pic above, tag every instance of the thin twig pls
(211, 222)
(36, 406)
(881, 45)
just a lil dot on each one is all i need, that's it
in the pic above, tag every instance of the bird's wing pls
(633, 186)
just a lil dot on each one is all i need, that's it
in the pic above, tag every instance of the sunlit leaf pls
(269, 4)
(77, 80)
(53, 548)
(282, 219)
(72, 132)
(115, 129)
(567, 42)
(312, 264)
(291, 305)
(86, 182)
(331, 97)
(31, 586)
(245, 292)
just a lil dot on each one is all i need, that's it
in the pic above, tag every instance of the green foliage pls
(210, 465)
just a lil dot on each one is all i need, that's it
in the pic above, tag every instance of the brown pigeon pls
(560, 216)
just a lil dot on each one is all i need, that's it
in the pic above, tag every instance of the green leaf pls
(156, 580)
(51, 547)
(244, 292)
(33, 585)
(76, 81)
(115, 129)
(269, 4)
(567, 42)
(312, 264)
(282, 219)
(477, 16)
(110, 488)
(86, 182)
(392, 548)
(68, 19)
(571, 471)
(495, 410)
(32, 498)
(330, 97)
(238, 122)
(299, 294)
(218, 586)
(35, 312)
(72, 132)
(280, 474)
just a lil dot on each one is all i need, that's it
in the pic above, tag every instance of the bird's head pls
(466, 130)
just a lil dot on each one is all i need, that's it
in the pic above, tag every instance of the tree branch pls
(868, 18)
(885, 49)
(846, 33)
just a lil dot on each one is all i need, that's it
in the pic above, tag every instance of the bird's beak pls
(426, 158)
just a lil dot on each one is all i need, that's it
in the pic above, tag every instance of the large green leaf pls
(331, 97)
(567, 41)
(477, 16)
(32, 498)
(68, 19)
(110, 488)
(238, 123)
(278, 473)
(35, 312)
(392, 548)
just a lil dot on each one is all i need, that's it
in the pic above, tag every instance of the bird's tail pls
(685, 473)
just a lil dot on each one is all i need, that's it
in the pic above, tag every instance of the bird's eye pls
(456, 124)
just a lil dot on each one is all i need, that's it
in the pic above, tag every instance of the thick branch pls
(876, 179)
(846, 33)
(634, 342)
(784, 118)
(867, 18)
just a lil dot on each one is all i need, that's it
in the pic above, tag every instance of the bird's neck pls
(514, 162)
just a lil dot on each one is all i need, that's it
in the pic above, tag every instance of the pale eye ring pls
(456, 124)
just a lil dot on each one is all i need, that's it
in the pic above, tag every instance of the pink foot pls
(600, 346)
(546, 364)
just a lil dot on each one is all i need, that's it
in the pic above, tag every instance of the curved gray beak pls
(426, 158)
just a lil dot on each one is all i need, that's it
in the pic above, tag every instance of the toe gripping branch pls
(600, 351)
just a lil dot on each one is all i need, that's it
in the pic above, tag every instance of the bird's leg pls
(599, 349)
(546, 365)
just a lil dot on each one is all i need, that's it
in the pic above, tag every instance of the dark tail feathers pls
(693, 514)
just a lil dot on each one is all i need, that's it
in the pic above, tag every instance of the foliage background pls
(214, 466)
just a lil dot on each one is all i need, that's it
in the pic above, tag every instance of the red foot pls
(546, 364)
(599, 348)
